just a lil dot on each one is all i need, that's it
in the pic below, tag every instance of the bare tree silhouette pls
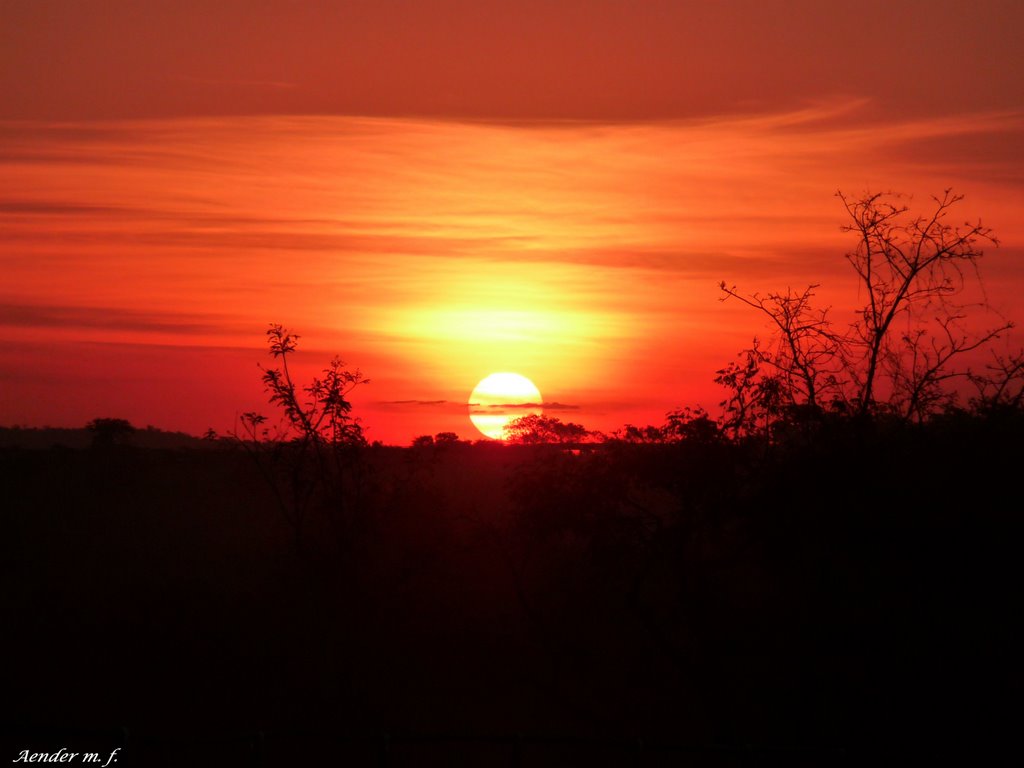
(907, 343)
(912, 267)
(805, 348)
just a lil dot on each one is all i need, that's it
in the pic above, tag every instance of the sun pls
(500, 398)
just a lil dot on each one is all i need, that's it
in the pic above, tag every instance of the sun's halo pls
(500, 398)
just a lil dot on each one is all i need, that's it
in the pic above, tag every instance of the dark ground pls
(712, 604)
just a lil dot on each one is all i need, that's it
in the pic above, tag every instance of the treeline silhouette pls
(39, 438)
(829, 566)
(826, 595)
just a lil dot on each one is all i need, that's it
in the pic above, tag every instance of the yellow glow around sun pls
(500, 398)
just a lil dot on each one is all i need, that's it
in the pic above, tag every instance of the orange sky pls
(438, 196)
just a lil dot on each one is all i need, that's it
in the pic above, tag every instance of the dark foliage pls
(107, 432)
(700, 594)
(535, 429)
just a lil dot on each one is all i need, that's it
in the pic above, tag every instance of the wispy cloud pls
(56, 208)
(585, 255)
(240, 82)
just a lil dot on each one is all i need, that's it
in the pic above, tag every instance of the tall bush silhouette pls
(308, 456)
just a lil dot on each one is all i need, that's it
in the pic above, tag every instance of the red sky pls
(440, 190)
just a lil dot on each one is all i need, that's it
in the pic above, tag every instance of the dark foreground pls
(701, 602)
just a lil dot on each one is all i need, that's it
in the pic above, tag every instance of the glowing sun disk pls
(500, 398)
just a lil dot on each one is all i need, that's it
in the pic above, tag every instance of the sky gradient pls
(438, 191)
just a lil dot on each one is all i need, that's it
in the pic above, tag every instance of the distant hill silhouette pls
(43, 438)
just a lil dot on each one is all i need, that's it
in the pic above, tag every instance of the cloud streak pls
(109, 319)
